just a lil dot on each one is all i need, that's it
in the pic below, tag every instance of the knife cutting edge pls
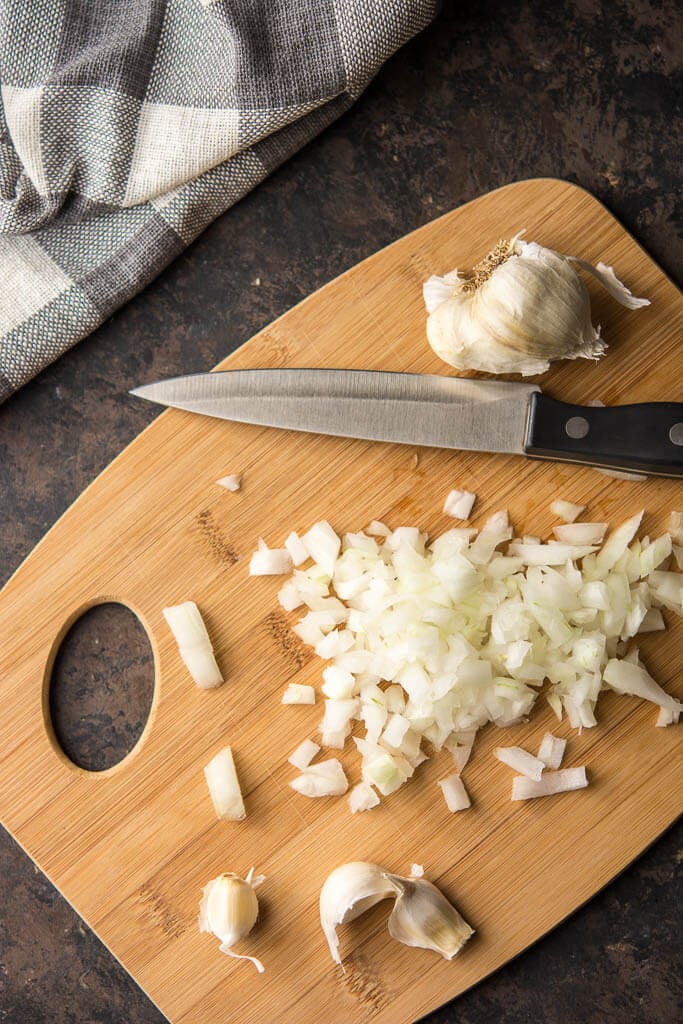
(439, 411)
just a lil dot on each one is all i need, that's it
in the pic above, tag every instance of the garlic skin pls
(523, 306)
(229, 909)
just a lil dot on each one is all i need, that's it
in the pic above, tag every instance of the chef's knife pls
(444, 412)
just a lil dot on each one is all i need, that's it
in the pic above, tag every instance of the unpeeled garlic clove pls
(229, 909)
(348, 892)
(423, 917)
(521, 307)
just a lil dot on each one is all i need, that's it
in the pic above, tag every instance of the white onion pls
(675, 527)
(298, 693)
(232, 482)
(427, 642)
(581, 533)
(269, 561)
(326, 778)
(296, 548)
(459, 504)
(224, 787)
(551, 751)
(304, 754)
(194, 645)
(362, 798)
(566, 510)
(551, 783)
(456, 796)
(520, 761)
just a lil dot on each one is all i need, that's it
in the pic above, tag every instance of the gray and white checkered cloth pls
(127, 126)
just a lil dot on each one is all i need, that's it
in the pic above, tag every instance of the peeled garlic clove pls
(423, 917)
(348, 892)
(229, 909)
(523, 306)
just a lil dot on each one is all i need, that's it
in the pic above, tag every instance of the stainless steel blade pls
(409, 408)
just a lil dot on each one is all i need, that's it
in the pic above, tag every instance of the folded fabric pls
(127, 126)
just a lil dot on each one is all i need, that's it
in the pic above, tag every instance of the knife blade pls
(444, 412)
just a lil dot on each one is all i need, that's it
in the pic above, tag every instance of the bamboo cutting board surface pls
(131, 847)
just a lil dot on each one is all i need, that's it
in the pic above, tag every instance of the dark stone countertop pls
(491, 93)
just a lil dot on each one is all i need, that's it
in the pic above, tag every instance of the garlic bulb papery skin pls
(423, 917)
(229, 909)
(348, 892)
(523, 306)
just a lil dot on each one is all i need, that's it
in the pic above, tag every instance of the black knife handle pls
(645, 438)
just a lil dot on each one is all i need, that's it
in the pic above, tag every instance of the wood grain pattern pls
(131, 847)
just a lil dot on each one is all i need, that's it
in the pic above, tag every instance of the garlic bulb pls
(229, 909)
(521, 307)
(421, 916)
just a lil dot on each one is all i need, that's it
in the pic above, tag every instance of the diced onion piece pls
(667, 716)
(549, 554)
(304, 754)
(566, 779)
(626, 677)
(675, 527)
(667, 587)
(378, 529)
(299, 693)
(459, 504)
(362, 798)
(194, 645)
(296, 548)
(233, 482)
(224, 787)
(456, 796)
(617, 543)
(326, 778)
(383, 771)
(269, 561)
(521, 761)
(566, 510)
(289, 597)
(581, 533)
(551, 751)
(322, 544)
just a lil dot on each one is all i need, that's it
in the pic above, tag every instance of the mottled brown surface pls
(491, 93)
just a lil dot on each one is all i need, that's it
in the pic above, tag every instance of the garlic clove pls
(229, 909)
(348, 892)
(424, 918)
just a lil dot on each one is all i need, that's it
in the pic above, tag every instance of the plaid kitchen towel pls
(127, 126)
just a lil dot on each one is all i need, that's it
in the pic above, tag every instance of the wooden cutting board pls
(131, 847)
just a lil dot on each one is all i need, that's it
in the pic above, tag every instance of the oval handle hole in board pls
(101, 687)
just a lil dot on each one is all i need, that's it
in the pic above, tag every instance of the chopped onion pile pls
(427, 642)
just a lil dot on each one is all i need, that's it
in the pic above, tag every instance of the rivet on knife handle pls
(643, 438)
